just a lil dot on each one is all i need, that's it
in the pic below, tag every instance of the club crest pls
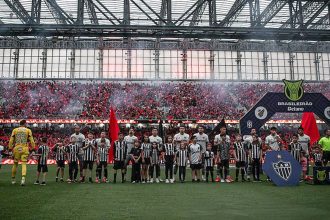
(293, 90)
(320, 175)
(283, 169)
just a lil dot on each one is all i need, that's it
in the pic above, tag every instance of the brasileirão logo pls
(293, 90)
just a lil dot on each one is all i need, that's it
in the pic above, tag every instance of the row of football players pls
(147, 156)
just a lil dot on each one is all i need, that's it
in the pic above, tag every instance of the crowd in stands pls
(92, 100)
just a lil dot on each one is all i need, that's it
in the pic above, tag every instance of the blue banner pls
(282, 168)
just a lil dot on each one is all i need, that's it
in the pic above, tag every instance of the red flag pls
(308, 123)
(113, 131)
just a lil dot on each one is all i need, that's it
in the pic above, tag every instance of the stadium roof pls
(225, 19)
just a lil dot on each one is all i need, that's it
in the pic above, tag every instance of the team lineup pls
(148, 154)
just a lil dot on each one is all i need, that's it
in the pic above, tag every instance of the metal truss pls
(233, 12)
(156, 44)
(58, 13)
(301, 13)
(20, 11)
(304, 22)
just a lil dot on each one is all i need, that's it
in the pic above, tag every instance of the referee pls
(325, 145)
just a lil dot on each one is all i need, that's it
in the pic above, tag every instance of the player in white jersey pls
(130, 140)
(180, 137)
(217, 141)
(202, 139)
(273, 142)
(155, 138)
(80, 140)
(304, 140)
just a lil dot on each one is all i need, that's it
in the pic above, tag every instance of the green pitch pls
(159, 201)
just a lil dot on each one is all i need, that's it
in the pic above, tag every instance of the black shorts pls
(146, 161)
(118, 165)
(240, 164)
(224, 163)
(42, 168)
(89, 164)
(102, 164)
(318, 164)
(196, 166)
(60, 163)
(209, 169)
(326, 155)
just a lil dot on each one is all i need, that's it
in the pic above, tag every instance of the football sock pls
(13, 170)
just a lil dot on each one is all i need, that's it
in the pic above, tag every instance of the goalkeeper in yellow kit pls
(20, 146)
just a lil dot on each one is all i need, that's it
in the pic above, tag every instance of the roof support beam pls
(187, 14)
(35, 11)
(233, 13)
(317, 13)
(80, 12)
(20, 11)
(271, 10)
(58, 13)
(91, 11)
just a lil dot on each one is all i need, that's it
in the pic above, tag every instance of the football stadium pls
(164, 109)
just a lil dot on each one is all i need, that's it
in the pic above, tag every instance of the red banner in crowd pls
(308, 123)
(113, 131)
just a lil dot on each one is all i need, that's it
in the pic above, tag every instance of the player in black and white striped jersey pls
(59, 151)
(240, 155)
(102, 161)
(119, 152)
(295, 148)
(208, 157)
(168, 156)
(72, 151)
(43, 152)
(317, 156)
(146, 151)
(154, 162)
(255, 153)
(89, 149)
(181, 158)
(297, 151)
(98, 144)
